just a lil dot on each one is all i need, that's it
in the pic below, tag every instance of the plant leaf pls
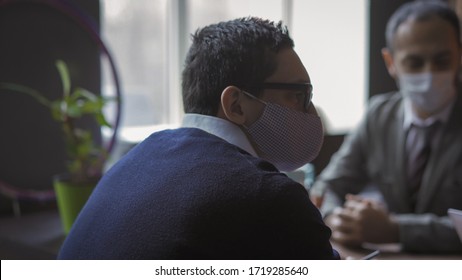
(83, 93)
(56, 111)
(74, 110)
(27, 90)
(65, 78)
(102, 120)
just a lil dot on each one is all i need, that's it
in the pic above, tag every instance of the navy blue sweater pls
(187, 194)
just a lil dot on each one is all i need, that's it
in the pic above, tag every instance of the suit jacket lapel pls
(440, 158)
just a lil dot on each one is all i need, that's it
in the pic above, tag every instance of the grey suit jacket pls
(375, 154)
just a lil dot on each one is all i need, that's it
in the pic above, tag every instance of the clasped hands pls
(362, 220)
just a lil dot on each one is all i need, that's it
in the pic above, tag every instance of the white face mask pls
(287, 138)
(428, 91)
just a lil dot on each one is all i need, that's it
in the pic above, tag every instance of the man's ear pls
(231, 105)
(388, 59)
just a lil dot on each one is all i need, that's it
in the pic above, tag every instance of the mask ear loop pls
(254, 97)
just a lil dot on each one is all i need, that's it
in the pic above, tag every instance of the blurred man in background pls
(409, 144)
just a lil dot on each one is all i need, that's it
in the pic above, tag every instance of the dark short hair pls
(420, 11)
(239, 52)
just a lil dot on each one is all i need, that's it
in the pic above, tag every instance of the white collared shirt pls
(410, 117)
(219, 127)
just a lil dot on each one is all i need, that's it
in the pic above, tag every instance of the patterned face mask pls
(428, 91)
(287, 138)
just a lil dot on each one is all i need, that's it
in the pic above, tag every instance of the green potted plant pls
(85, 157)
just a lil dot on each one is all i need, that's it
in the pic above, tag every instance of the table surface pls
(40, 235)
(387, 253)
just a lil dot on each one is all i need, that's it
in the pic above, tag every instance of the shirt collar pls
(221, 128)
(410, 117)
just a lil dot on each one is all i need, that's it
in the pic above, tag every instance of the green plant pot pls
(70, 198)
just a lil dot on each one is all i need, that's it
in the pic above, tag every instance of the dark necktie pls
(418, 165)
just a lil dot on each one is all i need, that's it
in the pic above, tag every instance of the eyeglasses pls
(305, 89)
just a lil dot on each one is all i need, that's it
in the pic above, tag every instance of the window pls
(149, 40)
(330, 38)
(135, 32)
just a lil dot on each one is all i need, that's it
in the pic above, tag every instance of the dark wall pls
(379, 13)
(33, 36)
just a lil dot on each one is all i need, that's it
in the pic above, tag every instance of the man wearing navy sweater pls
(213, 188)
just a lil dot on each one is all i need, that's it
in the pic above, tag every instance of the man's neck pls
(423, 115)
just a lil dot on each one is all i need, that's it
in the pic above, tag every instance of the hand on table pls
(361, 220)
